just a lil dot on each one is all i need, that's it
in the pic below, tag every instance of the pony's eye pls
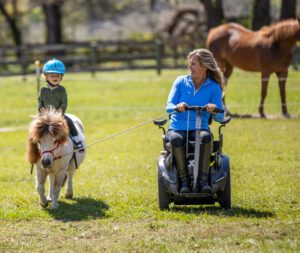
(55, 142)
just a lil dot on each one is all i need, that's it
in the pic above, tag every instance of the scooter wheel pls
(224, 197)
(163, 196)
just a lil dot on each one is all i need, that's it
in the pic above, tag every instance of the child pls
(54, 95)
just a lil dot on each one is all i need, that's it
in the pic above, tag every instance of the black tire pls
(163, 196)
(225, 196)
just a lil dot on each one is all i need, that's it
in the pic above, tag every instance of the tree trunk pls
(288, 9)
(261, 15)
(52, 12)
(214, 12)
(12, 21)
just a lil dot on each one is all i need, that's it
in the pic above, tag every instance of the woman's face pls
(54, 79)
(196, 70)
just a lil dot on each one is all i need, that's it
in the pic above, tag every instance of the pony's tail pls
(33, 154)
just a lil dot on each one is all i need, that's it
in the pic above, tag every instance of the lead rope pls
(116, 134)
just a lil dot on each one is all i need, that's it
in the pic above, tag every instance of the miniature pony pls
(51, 149)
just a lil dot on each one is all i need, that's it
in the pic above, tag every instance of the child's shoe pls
(79, 146)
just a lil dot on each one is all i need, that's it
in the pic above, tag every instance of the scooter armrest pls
(160, 122)
(226, 120)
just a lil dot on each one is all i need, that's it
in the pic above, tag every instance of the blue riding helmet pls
(54, 66)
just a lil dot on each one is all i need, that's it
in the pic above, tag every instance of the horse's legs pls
(40, 180)
(281, 81)
(264, 89)
(227, 70)
(51, 185)
(70, 174)
(59, 178)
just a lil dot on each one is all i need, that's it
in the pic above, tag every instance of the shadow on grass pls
(81, 209)
(234, 211)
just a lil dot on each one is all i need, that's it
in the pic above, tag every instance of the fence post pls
(37, 64)
(158, 46)
(175, 55)
(93, 45)
(23, 61)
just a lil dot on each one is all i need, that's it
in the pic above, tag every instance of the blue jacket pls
(183, 91)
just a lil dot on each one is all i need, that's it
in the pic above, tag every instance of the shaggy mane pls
(52, 123)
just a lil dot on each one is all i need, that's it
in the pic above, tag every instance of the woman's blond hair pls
(206, 59)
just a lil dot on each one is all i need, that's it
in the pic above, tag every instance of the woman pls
(203, 87)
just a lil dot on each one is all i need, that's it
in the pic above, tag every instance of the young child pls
(54, 95)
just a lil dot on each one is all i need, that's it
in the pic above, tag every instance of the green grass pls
(115, 206)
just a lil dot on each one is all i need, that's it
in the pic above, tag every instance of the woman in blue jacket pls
(203, 87)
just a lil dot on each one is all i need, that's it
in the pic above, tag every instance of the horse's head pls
(47, 132)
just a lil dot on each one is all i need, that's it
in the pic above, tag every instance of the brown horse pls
(267, 50)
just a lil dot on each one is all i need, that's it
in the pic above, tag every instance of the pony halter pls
(52, 150)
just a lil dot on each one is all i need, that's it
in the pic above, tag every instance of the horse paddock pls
(115, 204)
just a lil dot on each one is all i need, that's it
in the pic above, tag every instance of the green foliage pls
(36, 14)
(115, 205)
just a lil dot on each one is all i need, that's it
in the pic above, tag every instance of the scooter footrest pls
(194, 195)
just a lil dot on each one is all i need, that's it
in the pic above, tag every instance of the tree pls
(261, 15)
(11, 19)
(214, 12)
(175, 30)
(53, 20)
(288, 9)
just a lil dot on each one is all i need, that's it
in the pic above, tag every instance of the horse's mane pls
(280, 30)
(52, 123)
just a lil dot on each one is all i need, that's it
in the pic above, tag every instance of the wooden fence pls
(98, 56)
(103, 56)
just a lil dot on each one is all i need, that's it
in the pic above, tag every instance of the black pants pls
(178, 137)
(72, 128)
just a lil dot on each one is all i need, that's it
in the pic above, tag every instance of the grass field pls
(115, 204)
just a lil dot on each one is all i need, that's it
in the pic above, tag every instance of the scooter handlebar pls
(201, 108)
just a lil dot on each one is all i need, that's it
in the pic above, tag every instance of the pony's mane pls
(50, 122)
(281, 30)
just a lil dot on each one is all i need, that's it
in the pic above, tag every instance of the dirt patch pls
(11, 129)
(269, 116)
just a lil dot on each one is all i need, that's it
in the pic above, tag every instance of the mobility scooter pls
(219, 171)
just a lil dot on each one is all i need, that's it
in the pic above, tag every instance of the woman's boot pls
(205, 152)
(180, 161)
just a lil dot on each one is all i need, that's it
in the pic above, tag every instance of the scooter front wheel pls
(163, 196)
(224, 197)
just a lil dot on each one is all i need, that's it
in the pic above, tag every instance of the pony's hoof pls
(44, 204)
(286, 115)
(69, 195)
(49, 199)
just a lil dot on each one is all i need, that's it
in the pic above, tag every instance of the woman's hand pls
(210, 108)
(181, 107)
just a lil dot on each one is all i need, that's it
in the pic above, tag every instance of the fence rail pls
(101, 56)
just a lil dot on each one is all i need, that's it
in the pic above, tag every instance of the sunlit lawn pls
(115, 205)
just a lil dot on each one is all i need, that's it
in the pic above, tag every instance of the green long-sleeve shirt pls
(56, 98)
